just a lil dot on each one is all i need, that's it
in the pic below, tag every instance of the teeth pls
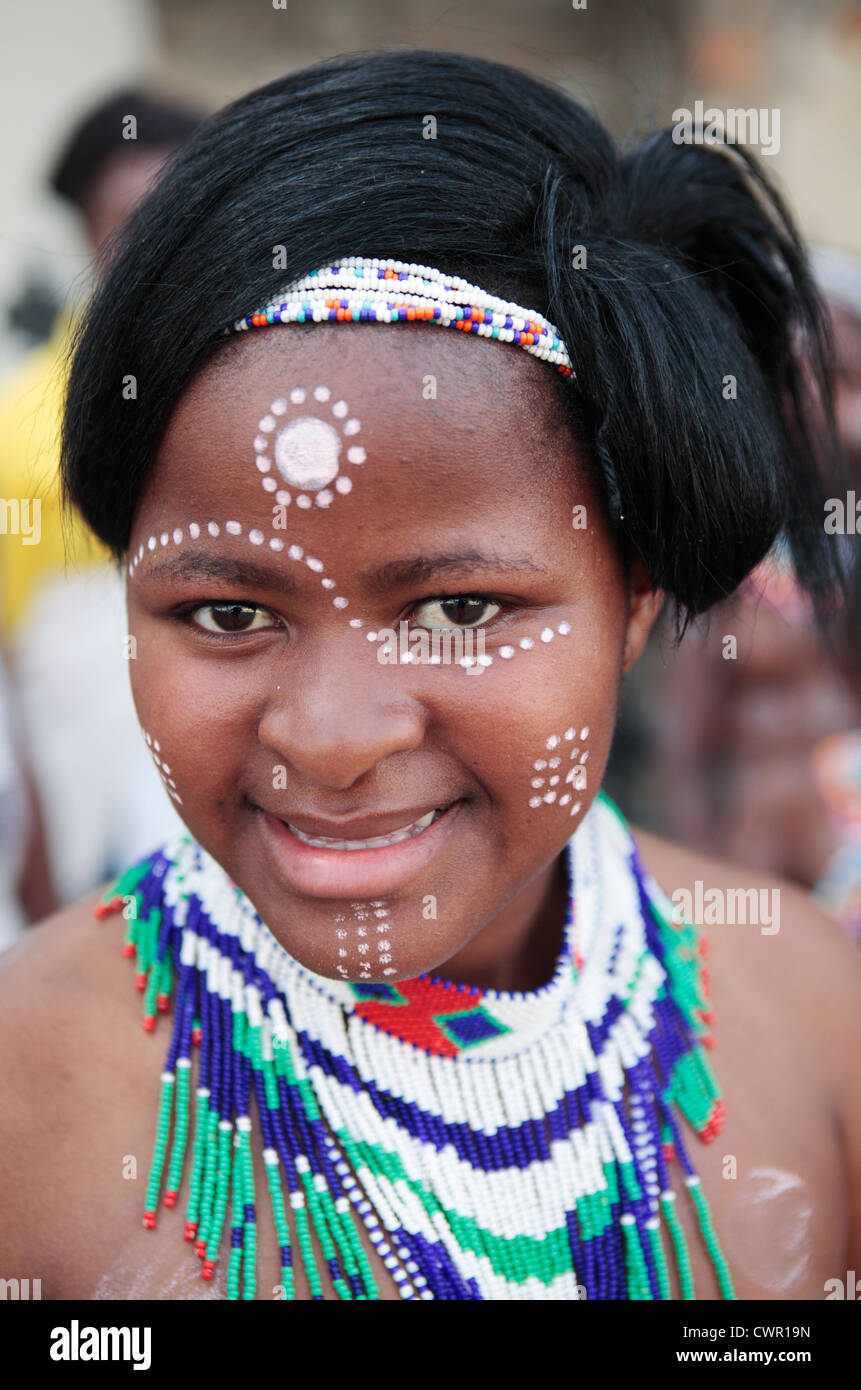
(394, 838)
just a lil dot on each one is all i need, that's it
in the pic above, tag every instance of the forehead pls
(433, 419)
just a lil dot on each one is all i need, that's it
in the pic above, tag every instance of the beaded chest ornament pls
(494, 1145)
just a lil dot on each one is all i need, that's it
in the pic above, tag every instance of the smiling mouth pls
(406, 832)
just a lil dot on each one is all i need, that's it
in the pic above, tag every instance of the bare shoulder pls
(772, 946)
(64, 1016)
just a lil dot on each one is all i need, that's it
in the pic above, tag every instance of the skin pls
(488, 466)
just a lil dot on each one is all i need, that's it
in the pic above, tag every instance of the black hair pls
(99, 134)
(686, 319)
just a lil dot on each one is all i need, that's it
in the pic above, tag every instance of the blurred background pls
(755, 756)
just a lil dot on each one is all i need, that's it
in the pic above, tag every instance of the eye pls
(226, 618)
(461, 610)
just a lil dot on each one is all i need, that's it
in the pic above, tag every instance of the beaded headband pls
(367, 290)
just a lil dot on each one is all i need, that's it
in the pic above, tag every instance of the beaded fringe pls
(611, 1242)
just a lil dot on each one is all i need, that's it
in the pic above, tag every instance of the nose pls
(337, 721)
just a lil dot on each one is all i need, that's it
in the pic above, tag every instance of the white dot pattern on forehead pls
(254, 537)
(305, 450)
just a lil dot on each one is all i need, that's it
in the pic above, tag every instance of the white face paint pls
(303, 459)
(560, 772)
(767, 1229)
(364, 948)
(164, 770)
(307, 450)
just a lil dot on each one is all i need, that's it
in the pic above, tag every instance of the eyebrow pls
(398, 574)
(392, 575)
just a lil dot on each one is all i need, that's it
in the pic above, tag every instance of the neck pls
(519, 948)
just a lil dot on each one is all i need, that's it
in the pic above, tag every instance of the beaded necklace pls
(494, 1145)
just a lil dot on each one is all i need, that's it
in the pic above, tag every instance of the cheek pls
(197, 721)
(539, 737)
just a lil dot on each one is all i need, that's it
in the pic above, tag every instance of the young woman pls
(435, 1026)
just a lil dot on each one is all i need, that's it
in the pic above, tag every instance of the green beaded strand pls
(234, 1264)
(635, 1261)
(165, 1106)
(180, 1131)
(249, 1226)
(222, 1189)
(710, 1238)
(282, 1230)
(659, 1256)
(195, 1182)
(683, 1259)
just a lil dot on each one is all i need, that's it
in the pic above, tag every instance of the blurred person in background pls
(761, 741)
(61, 602)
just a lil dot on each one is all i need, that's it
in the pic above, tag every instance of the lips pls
(353, 864)
(394, 837)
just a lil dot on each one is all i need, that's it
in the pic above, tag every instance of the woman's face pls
(315, 490)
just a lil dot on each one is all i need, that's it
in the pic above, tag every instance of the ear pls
(644, 604)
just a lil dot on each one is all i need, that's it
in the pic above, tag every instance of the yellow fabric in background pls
(31, 400)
